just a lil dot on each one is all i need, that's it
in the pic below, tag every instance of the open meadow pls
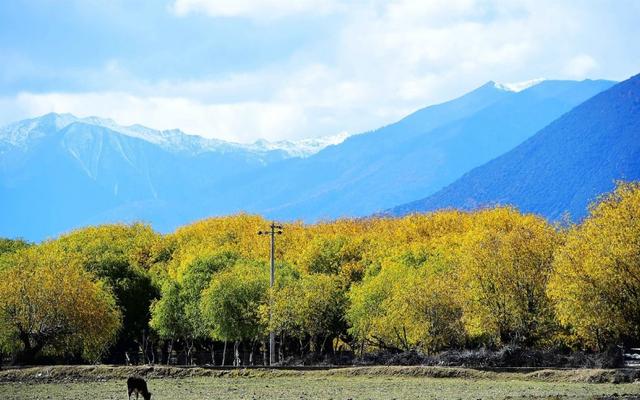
(354, 383)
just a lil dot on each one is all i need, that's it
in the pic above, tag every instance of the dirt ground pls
(104, 382)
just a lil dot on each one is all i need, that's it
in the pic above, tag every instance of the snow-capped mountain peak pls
(300, 148)
(22, 133)
(518, 86)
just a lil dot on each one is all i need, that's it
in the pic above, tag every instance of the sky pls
(241, 70)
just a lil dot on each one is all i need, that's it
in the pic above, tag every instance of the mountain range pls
(409, 159)
(562, 168)
(58, 172)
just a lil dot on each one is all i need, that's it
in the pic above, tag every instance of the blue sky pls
(247, 69)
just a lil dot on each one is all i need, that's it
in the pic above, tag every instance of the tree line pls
(424, 282)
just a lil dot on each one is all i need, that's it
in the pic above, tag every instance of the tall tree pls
(50, 304)
(120, 255)
(596, 280)
(505, 264)
(230, 305)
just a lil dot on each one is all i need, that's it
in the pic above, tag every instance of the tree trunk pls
(313, 344)
(236, 353)
(30, 351)
(253, 345)
(264, 353)
(143, 347)
(323, 349)
(153, 353)
(189, 342)
(213, 354)
(224, 353)
(281, 348)
(169, 350)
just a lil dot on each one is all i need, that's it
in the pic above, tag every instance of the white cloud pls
(579, 67)
(235, 122)
(384, 60)
(255, 9)
(269, 104)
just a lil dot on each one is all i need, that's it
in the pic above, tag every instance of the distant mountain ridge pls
(22, 133)
(58, 171)
(562, 168)
(411, 158)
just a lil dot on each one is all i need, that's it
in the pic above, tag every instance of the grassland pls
(374, 383)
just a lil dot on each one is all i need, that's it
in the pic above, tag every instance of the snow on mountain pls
(518, 86)
(58, 172)
(300, 148)
(21, 133)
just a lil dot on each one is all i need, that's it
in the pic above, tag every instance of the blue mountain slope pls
(412, 158)
(563, 167)
(56, 174)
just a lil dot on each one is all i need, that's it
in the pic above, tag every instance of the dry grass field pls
(99, 383)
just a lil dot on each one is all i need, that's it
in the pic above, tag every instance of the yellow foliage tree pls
(407, 308)
(120, 255)
(505, 264)
(50, 304)
(210, 237)
(311, 307)
(596, 281)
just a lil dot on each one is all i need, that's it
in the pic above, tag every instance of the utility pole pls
(273, 231)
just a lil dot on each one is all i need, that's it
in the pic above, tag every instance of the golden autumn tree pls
(50, 304)
(310, 308)
(505, 264)
(237, 234)
(120, 255)
(407, 307)
(409, 297)
(596, 280)
(8, 247)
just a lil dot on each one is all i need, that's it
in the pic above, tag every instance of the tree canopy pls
(50, 304)
(596, 276)
(424, 282)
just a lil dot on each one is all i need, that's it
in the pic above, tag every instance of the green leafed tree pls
(176, 314)
(407, 307)
(168, 317)
(230, 304)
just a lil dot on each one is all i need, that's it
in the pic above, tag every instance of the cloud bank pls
(376, 63)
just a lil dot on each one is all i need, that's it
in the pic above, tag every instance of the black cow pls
(138, 386)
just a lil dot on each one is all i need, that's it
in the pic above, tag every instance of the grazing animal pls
(138, 386)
